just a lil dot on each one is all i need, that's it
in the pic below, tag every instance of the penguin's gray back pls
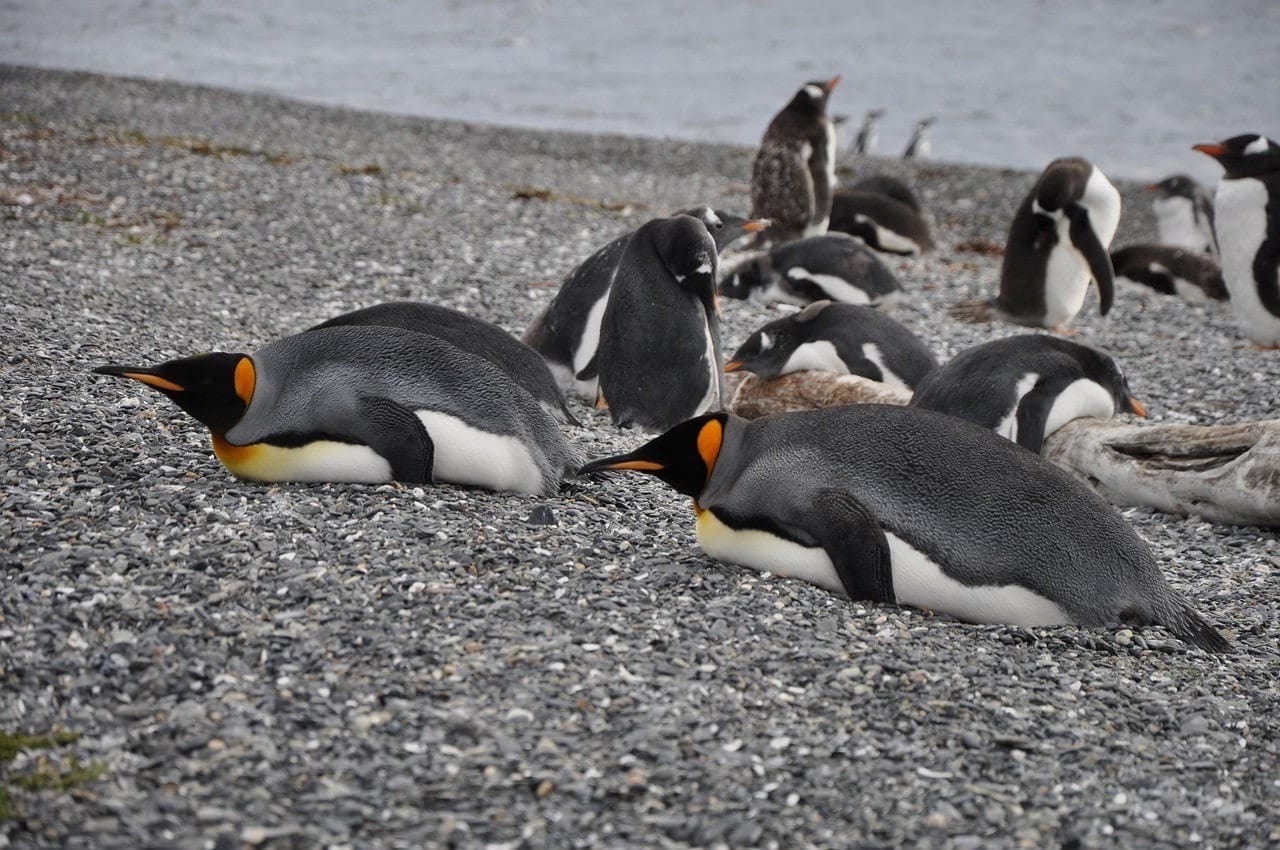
(1170, 270)
(314, 379)
(832, 266)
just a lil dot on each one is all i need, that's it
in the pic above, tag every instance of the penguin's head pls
(725, 228)
(766, 352)
(746, 276)
(214, 388)
(684, 457)
(1175, 186)
(1244, 156)
(812, 97)
(1107, 372)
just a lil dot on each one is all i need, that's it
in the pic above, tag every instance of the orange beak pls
(756, 224)
(1151, 187)
(733, 366)
(832, 83)
(1137, 407)
(1211, 149)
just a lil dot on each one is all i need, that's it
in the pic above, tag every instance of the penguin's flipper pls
(1095, 254)
(398, 435)
(1034, 408)
(854, 542)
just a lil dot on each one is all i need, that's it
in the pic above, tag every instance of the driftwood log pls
(1224, 473)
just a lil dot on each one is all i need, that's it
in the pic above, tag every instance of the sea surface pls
(1131, 84)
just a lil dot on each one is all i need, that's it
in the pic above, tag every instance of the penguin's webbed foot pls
(974, 312)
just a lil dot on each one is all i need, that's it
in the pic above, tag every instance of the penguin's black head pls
(214, 388)
(725, 228)
(1175, 185)
(812, 97)
(1104, 369)
(767, 351)
(1244, 156)
(745, 277)
(683, 457)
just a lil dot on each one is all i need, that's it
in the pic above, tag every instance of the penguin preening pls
(868, 138)
(882, 222)
(920, 146)
(366, 404)
(1184, 214)
(842, 338)
(659, 356)
(1057, 242)
(833, 267)
(794, 172)
(901, 505)
(1192, 275)
(567, 332)
(1026, 387)
(1247, 216)
(474, 336)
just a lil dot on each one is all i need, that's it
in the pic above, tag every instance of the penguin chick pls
(900, 505)
(474, 336)
(883, 184)
(1171, 271)
(833, 267)
(843, 338)
(1184, 214)
(920, 146)
(366, 404)
(1247, 216)
(567, 332)
(883, 223)
(1026, 387)
(1058, 241)
(793, 174)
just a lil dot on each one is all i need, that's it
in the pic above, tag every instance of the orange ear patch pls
(709, 439)
(246, 379)
(154, 381)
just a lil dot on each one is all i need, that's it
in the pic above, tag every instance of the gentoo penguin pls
(844, 338)
(1058, 241)
(475, 336)
(882, 222)
(900, 505)
(1173, 271)
(1184, 214)
(920, 147)
(1247, 214)
(366, 404)
(567, 332)
(794, 172)
(1026, 387)
(659, 356)
(883, 184)
(833, 266)
(868, 138)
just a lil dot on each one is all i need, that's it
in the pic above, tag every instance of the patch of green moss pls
(25, 118)
(11, 743)
(370, 169)
(535, 193)
(49, 772)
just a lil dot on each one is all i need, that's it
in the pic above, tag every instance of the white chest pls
(1240, 207)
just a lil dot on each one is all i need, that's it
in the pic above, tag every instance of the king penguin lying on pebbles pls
(833, 267)
(843, 338)
(900, 505)
(475, 336)
(1026, 387)
(794, 172)
(1172, 271)
(366, 404)
(1058, 241)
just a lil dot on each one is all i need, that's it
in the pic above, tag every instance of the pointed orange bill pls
(638, 465)
(733, 366)
(756, 224)
(832, 83)
(1137, 407)
(1211, 149)
(154, 381)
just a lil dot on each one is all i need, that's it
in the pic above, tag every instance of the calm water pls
(1129, 83)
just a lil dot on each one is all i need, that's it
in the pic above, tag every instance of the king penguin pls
(366, 404)
(900, 505)
(843, 338)
(1192, 275)
(567, 332)
(834, 267)
(1026, 387)
(1247, 215)
(794, 172)
(475, 336)
(1184, 214)
(1058, 241)
(659, 356)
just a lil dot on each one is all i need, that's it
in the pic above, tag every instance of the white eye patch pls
(1258, 145)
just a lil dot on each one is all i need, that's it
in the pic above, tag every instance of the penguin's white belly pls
(322, 460)
(1008, 426)
(1081, 398)
(1189, 291)
(835, 287)
(1176, 223)
(1242, 226)
(819, 355)
(468, 455)
(889, 240)
(917, 581)
(872, 352)
(588, 344)
(1066, 279)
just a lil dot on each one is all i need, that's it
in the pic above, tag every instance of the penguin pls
(1184, 214)
(567, 332)
(828, 337)
(1247, 213)
(920, 146)
(1026, 387)
(794, 172)
(883, 184)
(868, 138)
(893, 504)
(659, 357)
(366, 404)
(884, 223)
(1058, 240)
(1173, 271)
(834, 267)
(476, 336)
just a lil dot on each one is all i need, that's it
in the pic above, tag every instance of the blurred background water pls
(1130, 84)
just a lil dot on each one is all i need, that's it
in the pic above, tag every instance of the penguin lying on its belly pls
(1171, 271)
(366, 404)
(834, 267)
(900, 505)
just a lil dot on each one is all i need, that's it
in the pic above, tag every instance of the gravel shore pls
(395, 667)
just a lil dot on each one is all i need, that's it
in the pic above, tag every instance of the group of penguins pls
(903, 505)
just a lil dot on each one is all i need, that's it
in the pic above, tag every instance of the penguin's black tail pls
(1176, 614)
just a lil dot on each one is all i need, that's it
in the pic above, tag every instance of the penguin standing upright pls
(1247, 215)
(1184, 214)
(920, 146)
(868, 138)
(833, 266)
(794, 172)
(1058, 241)
(366, 404)
(659, 356)
(1026, 387)
(900, 505)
